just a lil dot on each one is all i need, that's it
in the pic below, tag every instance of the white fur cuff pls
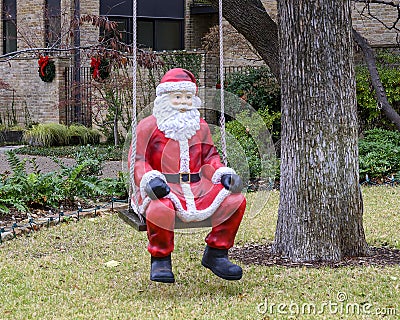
(147, 177)
(216, 178)
(176, 86)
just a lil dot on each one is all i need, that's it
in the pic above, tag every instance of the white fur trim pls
(189, 197)
(192, 215)
(141, 208)
(147, 177)
(216, 178)
(176, 86)
(184, 156)
(185, 167)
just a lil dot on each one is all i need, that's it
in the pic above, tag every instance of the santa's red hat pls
(177, 79)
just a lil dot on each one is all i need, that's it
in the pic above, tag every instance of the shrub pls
(379, 153)
(47, 134)
(247, 138)
(259, 88)
(107, 152)
(22, 190)
(369, 112)
(248, 145)
(83, 135)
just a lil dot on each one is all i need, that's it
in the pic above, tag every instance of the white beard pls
(173, 123)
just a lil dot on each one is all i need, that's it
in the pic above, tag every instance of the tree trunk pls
(320, 211)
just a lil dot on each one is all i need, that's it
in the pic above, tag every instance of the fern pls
(3, 208)
(21, 190)
(17, 166)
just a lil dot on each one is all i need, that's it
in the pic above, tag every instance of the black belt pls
(183, 177)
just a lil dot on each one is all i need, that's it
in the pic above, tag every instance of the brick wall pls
(370, 28)
(30, 22)
(196, 26)
(42, 99)
(33, 99)
(375, 32)
(238, 51)
(89, 33)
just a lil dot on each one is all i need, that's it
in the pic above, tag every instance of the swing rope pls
(132, 187)
(221, 77)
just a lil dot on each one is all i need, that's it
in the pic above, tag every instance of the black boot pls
(217, 261)
(161, 270)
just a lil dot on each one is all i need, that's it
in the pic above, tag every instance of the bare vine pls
(368, 12)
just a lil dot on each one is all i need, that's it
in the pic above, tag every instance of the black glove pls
(232, 182)
(156, 188)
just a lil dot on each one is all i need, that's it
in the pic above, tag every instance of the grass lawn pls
(62, 273)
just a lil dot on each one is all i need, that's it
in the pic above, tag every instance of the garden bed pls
(255, 254)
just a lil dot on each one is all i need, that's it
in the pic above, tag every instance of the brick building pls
(162, 25)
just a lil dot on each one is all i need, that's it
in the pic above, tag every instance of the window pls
(159, 22)
(52, 18)
(145, 36)
(9, 16)
(160, 34)
(168, 35)
(145, 8)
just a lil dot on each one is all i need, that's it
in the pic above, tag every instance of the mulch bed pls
(15, 223)
(256, 254)
(15, 216)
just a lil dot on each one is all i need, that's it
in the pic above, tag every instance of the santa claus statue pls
(179, 175)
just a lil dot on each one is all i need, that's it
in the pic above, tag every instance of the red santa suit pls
(192, 168)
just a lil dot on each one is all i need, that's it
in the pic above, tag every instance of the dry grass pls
(61, 273)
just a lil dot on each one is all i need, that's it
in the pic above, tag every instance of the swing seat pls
(131, 218)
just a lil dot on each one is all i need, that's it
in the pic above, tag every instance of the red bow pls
(43, 61)
(95, 64)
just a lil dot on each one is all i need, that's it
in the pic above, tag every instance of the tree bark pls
(320, 211)
(260, 30)
(380, 92)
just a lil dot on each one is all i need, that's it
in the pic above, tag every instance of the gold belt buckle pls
(181, 177)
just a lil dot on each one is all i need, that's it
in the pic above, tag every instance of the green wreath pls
(100, 68)
(47, 69)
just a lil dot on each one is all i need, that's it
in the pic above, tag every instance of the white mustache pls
(183, 107)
